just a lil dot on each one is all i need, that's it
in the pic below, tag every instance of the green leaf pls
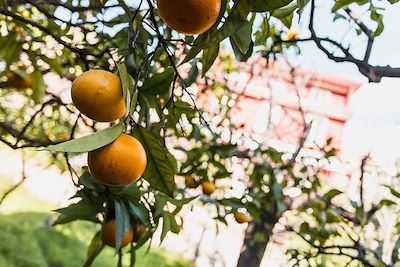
(209, 56)
(20, 73)
(3, 3)
(332, 193)
(267, 5)
(122, 223)
(95, 247)
(158, 171)
(89, 142)
(13, 53)
(386, 202)
(95, 244)
(54, 63)
(159, 84)
(169, 224)
(83, 210)
(393, 191)
(287, 21)
(38, 86)
(238, 54)
(285, 11)
(139, 213)
(242, 37)
(193, 73)
(344, 3)
(126, 80)
(210, 38)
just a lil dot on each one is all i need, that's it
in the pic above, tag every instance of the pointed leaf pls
(158, 171)
(332, 193)
(159, 84)
(209, 56)
(89, 142)
(122, 223)
(83, 210)
(242, 37)
(38, 86)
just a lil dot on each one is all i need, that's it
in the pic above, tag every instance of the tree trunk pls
(256, 240)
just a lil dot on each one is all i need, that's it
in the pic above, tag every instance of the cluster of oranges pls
(208, 189)
(98, 94)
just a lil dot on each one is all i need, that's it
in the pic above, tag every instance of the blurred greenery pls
(29, 240)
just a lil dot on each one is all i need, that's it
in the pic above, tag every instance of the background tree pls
(157, 65)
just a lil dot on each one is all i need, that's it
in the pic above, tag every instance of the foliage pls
(157, 66)
(31, 241)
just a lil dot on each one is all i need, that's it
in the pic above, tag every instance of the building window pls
(320, 96)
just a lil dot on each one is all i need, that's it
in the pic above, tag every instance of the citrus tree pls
(132, 66)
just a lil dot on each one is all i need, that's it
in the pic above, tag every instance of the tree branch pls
(373, 73)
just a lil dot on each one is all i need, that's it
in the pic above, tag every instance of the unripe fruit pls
(208, 188)
(240, 217)
(190, 182)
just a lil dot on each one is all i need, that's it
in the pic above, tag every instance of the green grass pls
(28, 240)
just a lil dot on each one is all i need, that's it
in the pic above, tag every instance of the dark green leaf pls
(242, 37)
(209, 56)
(139, 213)
(83, 210)
(267, 5)
(158, 171)
(126, 80)
(234, 21)
(122, 223)
(169, 224)
(159, 84)
(193, 73)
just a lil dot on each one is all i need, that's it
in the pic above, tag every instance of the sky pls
(375, 123)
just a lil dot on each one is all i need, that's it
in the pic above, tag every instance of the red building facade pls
(275, 101)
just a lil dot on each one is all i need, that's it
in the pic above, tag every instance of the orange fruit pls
(208, 188)
(119, 163)
(190, 182)
(98, 94)
(139, 230)
(189, 16)
(240, 217)
(109, 238)
(16, 81)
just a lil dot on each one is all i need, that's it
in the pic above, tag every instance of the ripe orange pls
(240, 217)
(98, 94)
(208, 188)
(109, 238)
(119, 163)
(139, 230)
(190, 182)
(189, 16)
(16, 81)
